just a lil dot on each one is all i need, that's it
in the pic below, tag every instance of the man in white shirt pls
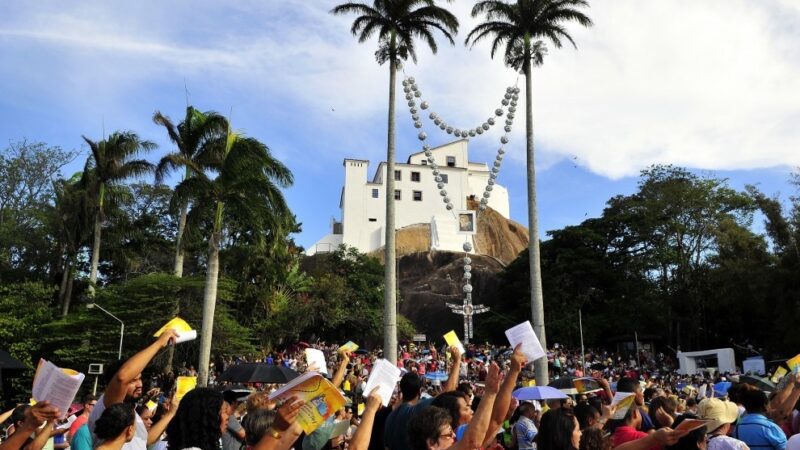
(125, 385)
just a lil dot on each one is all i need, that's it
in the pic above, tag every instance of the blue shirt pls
(82, 439)
(758, 432)
(526, 431)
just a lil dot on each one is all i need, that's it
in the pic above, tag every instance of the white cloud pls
(709, 84)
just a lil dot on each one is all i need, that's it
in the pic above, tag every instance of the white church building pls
(363, 205)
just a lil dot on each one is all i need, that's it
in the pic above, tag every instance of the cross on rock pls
(467, 310)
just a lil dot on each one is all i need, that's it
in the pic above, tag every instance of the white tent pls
(725, 361)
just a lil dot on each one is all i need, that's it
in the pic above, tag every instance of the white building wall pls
(363, 214)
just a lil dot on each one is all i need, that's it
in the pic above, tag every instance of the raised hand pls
(518, 359)
(40, 413)
(287, 414)
(492, 383)
(168, 337)
(374, 400)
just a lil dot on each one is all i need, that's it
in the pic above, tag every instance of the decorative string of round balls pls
(510, 100)
(412, 91)
(467, 271)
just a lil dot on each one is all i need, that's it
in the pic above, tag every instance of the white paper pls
(523, 333)
(620, 396)
(316, 361)
(384, 376)
(68, 423)
(53, 385)
(340, 428)
(701, 391)
(184, 336)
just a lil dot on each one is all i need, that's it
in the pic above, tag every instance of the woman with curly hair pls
(199, 422)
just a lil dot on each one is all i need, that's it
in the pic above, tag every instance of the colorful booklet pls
(56, 385)
(623, 401)
(350, 347)
(794, 362)
(184, 330)
(321, 397)
(453, 341)
(779, 373)
(586, 384)
(692, 424)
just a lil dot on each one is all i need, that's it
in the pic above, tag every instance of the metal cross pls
(467, 310)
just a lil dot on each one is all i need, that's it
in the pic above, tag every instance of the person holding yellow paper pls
(124, 384)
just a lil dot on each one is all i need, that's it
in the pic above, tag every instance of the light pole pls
(121, 323)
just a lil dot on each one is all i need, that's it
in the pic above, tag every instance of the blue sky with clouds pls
(708, 85)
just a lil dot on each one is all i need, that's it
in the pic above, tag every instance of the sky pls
(710, 85)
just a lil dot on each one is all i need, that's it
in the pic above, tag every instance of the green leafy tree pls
(196, 131)
(246, 190)
(111, 163)
(397, 24)
(71, 221)
(520, 27)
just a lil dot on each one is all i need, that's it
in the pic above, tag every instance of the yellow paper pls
(32, 402)
(184, 385)
(453, 341)
(346, 386)
(530, 383)
(177, 324)
(793, 362)
(151, 405)
(350, 346)
(779, 373)
(360, 409)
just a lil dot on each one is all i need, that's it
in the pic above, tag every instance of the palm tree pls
(519, 26)
(190, 136)
(71, 213)
(111, 163)
(397, 23)
(246, 190)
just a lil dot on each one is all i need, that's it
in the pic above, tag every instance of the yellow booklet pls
(322, 399)
(779, 373)
(184, 330)
(350, 346)
(794, 362)
(184, 385)
(453, 341)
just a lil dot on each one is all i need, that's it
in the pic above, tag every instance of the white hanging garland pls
(508, 102)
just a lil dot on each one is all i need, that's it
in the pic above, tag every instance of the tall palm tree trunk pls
(178, 267)
(62, 292)
(390, 274)
(209, 305)
(95, 254)
(537, 300)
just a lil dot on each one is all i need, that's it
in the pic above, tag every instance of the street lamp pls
(121, 329)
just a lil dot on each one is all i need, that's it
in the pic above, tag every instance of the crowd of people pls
(445, 399)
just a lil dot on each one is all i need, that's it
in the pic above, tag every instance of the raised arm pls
(360, 440)
(284, 430)
(785, 401)
(455, 371)
(503, 399)
(117, 388)
(476, 429)
(158, 428)
(662, 437)
(35, 416)
(344, 360)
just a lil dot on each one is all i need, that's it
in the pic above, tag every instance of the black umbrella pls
(361, 351)
(564, 384)
(258, 373)
(761, 383)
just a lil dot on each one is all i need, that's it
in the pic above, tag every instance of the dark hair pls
(449, 402)
(691, 402)
(88, 398)
(626, 384)
(754, 400)
(555, 432)
(111, 369)
(18, 415)
(649, 393)
(410, 386)
(585, 412)
(425, 426)
(690, 441)
(256, 424)
(465, 387)
(114, 420)
(667, 404)
(197, 421)
(593, 439)
(735, 392)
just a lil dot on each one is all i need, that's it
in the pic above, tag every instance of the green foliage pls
(144, 304)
